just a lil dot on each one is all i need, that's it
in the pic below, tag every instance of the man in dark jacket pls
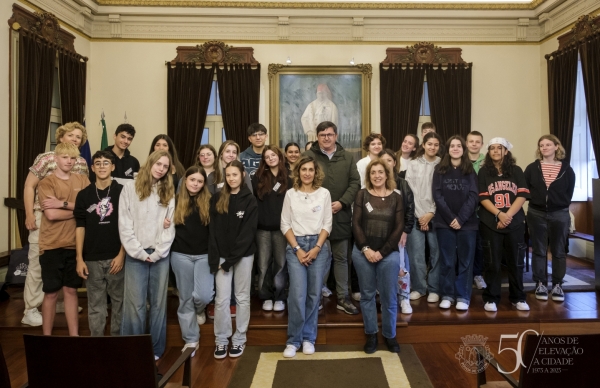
(343, 182)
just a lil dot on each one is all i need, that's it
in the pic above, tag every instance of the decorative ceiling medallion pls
(425, 53)
(328, 5)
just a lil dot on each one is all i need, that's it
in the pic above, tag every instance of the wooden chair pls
(127, 361)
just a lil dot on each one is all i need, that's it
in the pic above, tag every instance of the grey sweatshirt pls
(419, 175)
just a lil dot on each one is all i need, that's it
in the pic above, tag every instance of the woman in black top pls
(189, 254)
(551, 181)
(377, 224)
(269, 183)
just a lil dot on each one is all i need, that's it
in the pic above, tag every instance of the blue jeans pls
(382, 276)
(416, 254)
(146, 282)
(456, 246)
(304, 292)
(195, 285)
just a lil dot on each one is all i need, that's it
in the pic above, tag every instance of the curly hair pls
(560, 153)
(369, 139)
(70, 127)
(319, 174)
(506, 166)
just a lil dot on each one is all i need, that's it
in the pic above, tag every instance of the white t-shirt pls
(306, 213)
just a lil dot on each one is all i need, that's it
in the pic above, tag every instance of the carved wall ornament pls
(273, 69)
(215, 52)
(423, 53)
(585, 26)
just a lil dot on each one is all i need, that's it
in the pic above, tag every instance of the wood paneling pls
(584, 221)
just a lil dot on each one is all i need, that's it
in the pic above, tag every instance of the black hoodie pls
(232, 234)
(124, 167)
(558, 195)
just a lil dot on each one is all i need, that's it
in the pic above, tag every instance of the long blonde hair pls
(223, 202)
(183, 208)
(143, 183)
(221, 150)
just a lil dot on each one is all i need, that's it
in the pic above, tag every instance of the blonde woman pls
(145, 204)
(228, 152)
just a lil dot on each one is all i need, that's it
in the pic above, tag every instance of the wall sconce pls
(288, 61)
(352, 61)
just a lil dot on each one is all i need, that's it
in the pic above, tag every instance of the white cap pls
(502, 141)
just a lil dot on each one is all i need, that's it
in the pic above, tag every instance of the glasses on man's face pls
(325, 135)
(258, 134)
(106, 163)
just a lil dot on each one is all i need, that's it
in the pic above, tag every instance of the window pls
(583, 160)
(214, 132)
(424, 111)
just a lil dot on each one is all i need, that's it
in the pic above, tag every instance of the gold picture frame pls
(292, 92)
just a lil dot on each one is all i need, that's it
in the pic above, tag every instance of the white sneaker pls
(156, 357)
(490, 306)
(267, 305)
(462, 306)
(320, 306)
(522, 305)
(445, 304)
(415, 295)
(405, 306)
(279, 305)
(194, 345)
(308, 348)
(433, 298)
(201, 318)
(356, 296)
(290, 351)
(32, 317)
(479, 282)
(326, 292)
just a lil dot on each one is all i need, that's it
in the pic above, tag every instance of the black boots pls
(371, 344)
(392, 345)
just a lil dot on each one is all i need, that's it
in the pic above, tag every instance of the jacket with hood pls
(558, 195)
(343, 182)
(231, 235)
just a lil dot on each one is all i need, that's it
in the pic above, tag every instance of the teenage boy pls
(257, 136)
(125, 163)
(426, 128)
(100, 255)
(474, 144)
(57, 238)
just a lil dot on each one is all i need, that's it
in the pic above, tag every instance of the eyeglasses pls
(102, 164)
(258, 134)
(325, 135)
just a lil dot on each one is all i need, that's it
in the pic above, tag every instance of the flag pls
(85, 151)
(104, 142)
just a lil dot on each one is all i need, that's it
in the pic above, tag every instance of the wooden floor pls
(434, 333)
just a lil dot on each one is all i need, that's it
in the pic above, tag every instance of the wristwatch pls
(296, 248)
(65, 204)
(365, 249)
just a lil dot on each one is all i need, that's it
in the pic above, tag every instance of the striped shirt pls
(550, 172)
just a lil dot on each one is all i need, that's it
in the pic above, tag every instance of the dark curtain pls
(590, 64)
(71, 73)
(188, 93)
(400, 93)
(450, 98)
(36, 74)
(562, 87)
(239, 91)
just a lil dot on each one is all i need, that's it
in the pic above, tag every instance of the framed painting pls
(301, 97)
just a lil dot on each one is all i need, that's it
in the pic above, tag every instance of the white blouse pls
(306, 213)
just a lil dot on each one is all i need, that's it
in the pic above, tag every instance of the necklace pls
(379, 195)
(107, 194)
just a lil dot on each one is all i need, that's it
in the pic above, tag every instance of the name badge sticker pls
(220, 185)
(316, 209)
(277, 186)
(369, 207)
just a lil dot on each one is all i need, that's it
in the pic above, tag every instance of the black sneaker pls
(220, 351)
(557, 293)
(371, 344)
(346, 306)
(236, 350)
(392, 345)
(541, 292)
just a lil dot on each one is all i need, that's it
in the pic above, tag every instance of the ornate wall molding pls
(586, 25)
(43, 24)
(423, 52)
(215, 52)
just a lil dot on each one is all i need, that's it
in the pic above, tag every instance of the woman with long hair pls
(456, 224)
(145, 204)
(377, 225)
(306, 221)
(233, 221)
(551, 182)
(419, 176)
(228, 152)
(189, 254)
(502, 193)
(292, 155)
(270, 183)
(407, 151)
(372, 145)
(164, 142)
(206, 157)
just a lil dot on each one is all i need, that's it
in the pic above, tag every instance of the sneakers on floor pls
(479, 282)
(405, 307)
(201, 318)
(356, 296)
(194, 345)
(541, 292)
(462, 306)
(522, 305)
(236, 350)
(346, 306)
(416, 295)
(392, 345)
(326, 292)
(308, 348)
(210, 311)
(290, 351)
(220, 351)
(156, 357)
(32, 317)
(490, 306)
(433, 297)
(557, 293)
(445, 304)
(267, 305)
(279, 305)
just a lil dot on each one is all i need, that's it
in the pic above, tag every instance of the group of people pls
(429, 218)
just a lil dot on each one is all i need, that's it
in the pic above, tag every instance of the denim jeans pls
(415, 245)
(495, 245)
(271, 254)
(456, 246)
(99, 283)
(383, 277)
(195, 284)
(241, 272)
(146, 281)
(305, 292)
(339, 251)
(549, 229)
